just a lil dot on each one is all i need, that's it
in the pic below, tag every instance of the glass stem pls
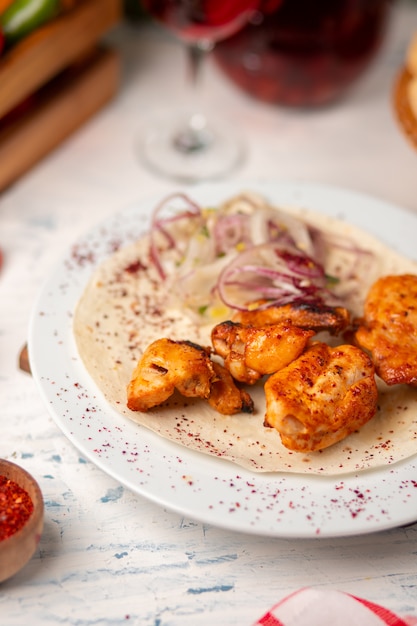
(197, 53)
(195, 136)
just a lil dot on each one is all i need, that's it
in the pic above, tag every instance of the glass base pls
(188, 148)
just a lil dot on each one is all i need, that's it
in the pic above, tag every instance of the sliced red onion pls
(159, 225)
(229, 231)
(284, 259)
(291, 275)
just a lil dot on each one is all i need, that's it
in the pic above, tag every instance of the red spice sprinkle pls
(16, 507)
(135, 267)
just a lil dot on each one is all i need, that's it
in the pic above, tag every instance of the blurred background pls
(295, 67)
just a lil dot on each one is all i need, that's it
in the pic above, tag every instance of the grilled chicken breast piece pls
(322, 397)
(317, 317)
(388, 329)
(249, 352)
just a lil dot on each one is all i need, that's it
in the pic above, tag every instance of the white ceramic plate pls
(196, 485)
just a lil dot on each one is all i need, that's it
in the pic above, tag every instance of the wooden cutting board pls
(56, 111)
(53, 81)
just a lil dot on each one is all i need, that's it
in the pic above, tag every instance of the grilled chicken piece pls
(167, 365)
(249, 353)
(322, 397)
(388, 330)
(225, 396)
(317, 317)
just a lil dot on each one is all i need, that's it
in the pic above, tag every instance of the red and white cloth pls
(317, 607)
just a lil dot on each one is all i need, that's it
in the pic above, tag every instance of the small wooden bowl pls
(402, 108)
(16, 550)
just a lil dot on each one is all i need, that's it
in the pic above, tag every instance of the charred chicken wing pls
(167, 365)
(225, 396)
(322, 397)
(388, 330)
(249, 352)
(317, 317)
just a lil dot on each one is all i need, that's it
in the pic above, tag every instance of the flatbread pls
(125, 307)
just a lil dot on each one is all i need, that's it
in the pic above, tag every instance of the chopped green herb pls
(332, 280)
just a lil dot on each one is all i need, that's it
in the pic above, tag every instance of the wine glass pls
(188, 145)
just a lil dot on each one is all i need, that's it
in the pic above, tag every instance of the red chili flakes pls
(135, 267)
(81, 256)
(16, 507)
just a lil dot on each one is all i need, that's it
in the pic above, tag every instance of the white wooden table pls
(108, 556)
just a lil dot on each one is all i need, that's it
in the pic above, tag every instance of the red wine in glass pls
(199, 20)
(305, 52)
(195, 146)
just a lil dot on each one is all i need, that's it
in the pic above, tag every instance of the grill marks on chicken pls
(388, 329)
(322, 397)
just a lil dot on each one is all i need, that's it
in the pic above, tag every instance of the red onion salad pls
(247, 254)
